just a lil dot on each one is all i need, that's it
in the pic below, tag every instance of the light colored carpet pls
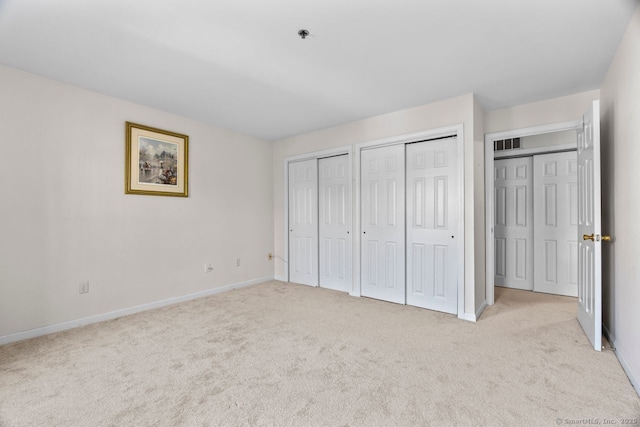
(284, 354)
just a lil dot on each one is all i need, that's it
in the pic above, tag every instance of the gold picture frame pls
(156, 161)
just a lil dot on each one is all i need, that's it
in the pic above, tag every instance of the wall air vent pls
(506, 144)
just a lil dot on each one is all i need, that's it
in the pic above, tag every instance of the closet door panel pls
(513, 228)
(335, 223)
(555, 223)
(382, 190)
(432, 225)
(303, 222)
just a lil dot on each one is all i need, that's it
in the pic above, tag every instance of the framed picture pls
(156, 161)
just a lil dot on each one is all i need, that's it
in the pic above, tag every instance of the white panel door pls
(432, 225)
(589, 228)
(382, 208)
(513, 228)
(556, 223)
(335, 223)
(303, 222)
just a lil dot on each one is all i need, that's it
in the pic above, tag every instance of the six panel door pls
(556, 223)
(590, 227)
(335, 223)
(513, 227)
(303, 222)
(382, 192)
(432, 225)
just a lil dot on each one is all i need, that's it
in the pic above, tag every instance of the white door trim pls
(348, 150)
(454, 131)
(489, 187)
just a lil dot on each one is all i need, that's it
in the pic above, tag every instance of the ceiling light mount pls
(303, 34)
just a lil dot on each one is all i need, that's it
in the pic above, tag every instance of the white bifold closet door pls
(303, 222)
(432, 225)
(335, 223)
(556, 223)
(383, 235)
(513, 228)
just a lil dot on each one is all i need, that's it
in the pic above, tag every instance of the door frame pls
(456, 131)
(316, 155)
(490, 189)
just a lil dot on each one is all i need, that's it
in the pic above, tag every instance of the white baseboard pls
(633, 378)
(58, 327)
(474, 317)
(282, 278)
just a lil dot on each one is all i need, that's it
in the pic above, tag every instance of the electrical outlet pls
(208, 267)
(237, 262)
(84, 288)
(270, 256)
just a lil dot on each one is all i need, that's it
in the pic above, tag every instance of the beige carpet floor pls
(284, 354)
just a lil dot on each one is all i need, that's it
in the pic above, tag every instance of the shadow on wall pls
(607, 168)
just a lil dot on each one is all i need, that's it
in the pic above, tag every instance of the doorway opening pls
(536, 141)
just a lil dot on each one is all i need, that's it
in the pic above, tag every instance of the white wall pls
(479, 207)
(555, 110)
(620, 119)
(66, 219)
(548, 139)
(459, 110)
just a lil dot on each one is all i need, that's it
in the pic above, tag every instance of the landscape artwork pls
(156, 161)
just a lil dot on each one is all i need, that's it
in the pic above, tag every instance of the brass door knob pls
(596, 239)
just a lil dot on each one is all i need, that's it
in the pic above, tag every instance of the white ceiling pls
(241, 65)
